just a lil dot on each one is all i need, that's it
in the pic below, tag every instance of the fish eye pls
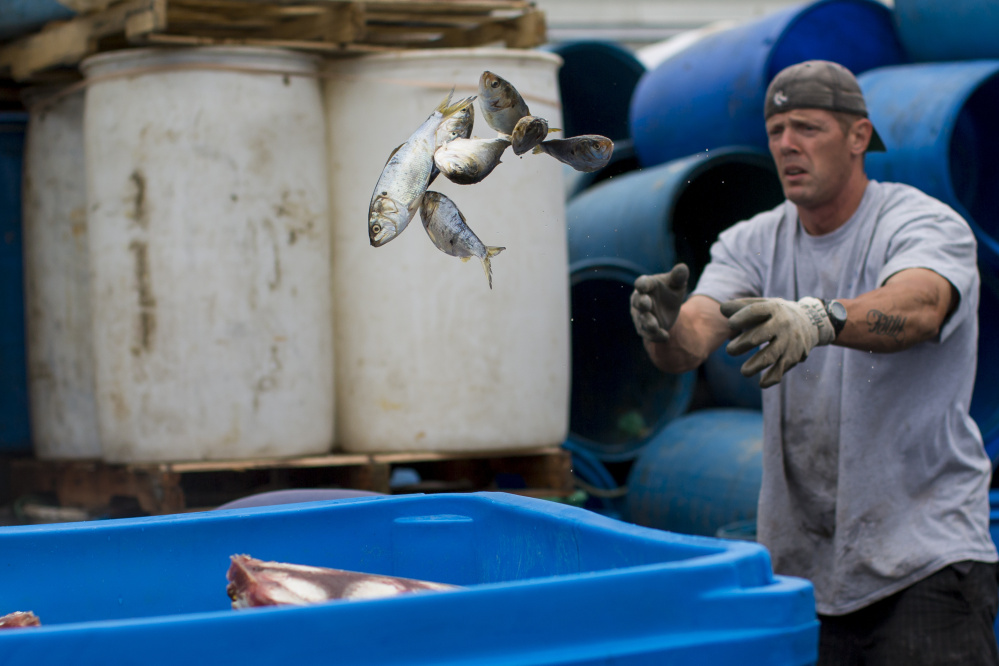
(494, 84)
(375, 228)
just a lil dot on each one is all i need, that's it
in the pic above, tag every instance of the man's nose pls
(787, 144)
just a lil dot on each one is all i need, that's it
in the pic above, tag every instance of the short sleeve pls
(739, 258)
(938, 239)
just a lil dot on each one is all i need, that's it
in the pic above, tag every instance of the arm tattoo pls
(880, 323)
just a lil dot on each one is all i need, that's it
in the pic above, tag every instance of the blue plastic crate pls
(547, 584)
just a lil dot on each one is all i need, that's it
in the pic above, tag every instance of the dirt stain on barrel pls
(147, 301)
(138, 200)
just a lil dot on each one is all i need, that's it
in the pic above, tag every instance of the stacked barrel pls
(701, 163)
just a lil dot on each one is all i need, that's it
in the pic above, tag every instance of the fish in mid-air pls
(449, 231)
(502, 106)
(253, 583)
(406, 176)
(528, 133)
(586, 152)
(468, 161)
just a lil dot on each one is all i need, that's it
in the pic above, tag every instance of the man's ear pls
(860, 136)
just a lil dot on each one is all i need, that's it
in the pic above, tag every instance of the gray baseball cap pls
(818, 84)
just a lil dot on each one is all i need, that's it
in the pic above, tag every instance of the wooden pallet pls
(330, 27)
(160, 488)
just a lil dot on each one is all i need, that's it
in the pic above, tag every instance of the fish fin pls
(538, 149)
(487, 266)
(464, 259)
(554, 129)
(392, 154)
(445, 102)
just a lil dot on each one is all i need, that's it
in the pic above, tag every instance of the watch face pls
(837, 311)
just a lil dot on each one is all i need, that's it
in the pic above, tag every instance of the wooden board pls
(330, 27)
(160, 488)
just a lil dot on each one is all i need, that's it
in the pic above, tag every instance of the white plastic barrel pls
(428, 357)
(210, 246)
(56, 278)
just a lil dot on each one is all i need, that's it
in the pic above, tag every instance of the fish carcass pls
(255, 583)
(19, 619)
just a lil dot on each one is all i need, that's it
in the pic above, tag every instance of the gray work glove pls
(656, 301)
(790, 329)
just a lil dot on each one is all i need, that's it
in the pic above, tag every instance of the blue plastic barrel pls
(932, 30)
(985, 399)
(604, 492)
(711, 93)
(726, 384)
(938, 123)
(702, 472)
(18, 17)
(637, 223)
(15, 431)
(596, 82)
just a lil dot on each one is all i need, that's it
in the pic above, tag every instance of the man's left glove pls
(790, 329)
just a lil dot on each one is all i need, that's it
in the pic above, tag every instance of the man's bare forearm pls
(910, 308)
(698, 331)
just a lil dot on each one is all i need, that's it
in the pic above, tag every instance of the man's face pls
(812, 154)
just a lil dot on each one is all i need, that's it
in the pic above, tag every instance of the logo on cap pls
(780, 99)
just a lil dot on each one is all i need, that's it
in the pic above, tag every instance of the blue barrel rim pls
(628, 451)
(604, 268)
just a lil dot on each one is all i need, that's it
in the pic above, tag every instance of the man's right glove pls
(790, 330)
(656, 301)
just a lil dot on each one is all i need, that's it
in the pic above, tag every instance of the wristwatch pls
(837, 315)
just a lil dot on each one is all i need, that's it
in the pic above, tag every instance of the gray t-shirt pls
(874, 474)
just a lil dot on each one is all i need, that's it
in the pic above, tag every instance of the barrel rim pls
(631, 450)
(977, 73)
(451, 54)
(104, 63)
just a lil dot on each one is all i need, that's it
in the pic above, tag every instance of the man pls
(864, 297)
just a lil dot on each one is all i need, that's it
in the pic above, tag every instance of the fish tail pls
(445, 102)
(487, 266)
(448, 109)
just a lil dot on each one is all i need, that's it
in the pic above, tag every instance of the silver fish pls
(468, 161)
(255, 583)
(448, 230)
(587, 152)
(501, 104)
(406, 176)
(528, 133)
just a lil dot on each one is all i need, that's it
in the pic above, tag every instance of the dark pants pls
(944, 619)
